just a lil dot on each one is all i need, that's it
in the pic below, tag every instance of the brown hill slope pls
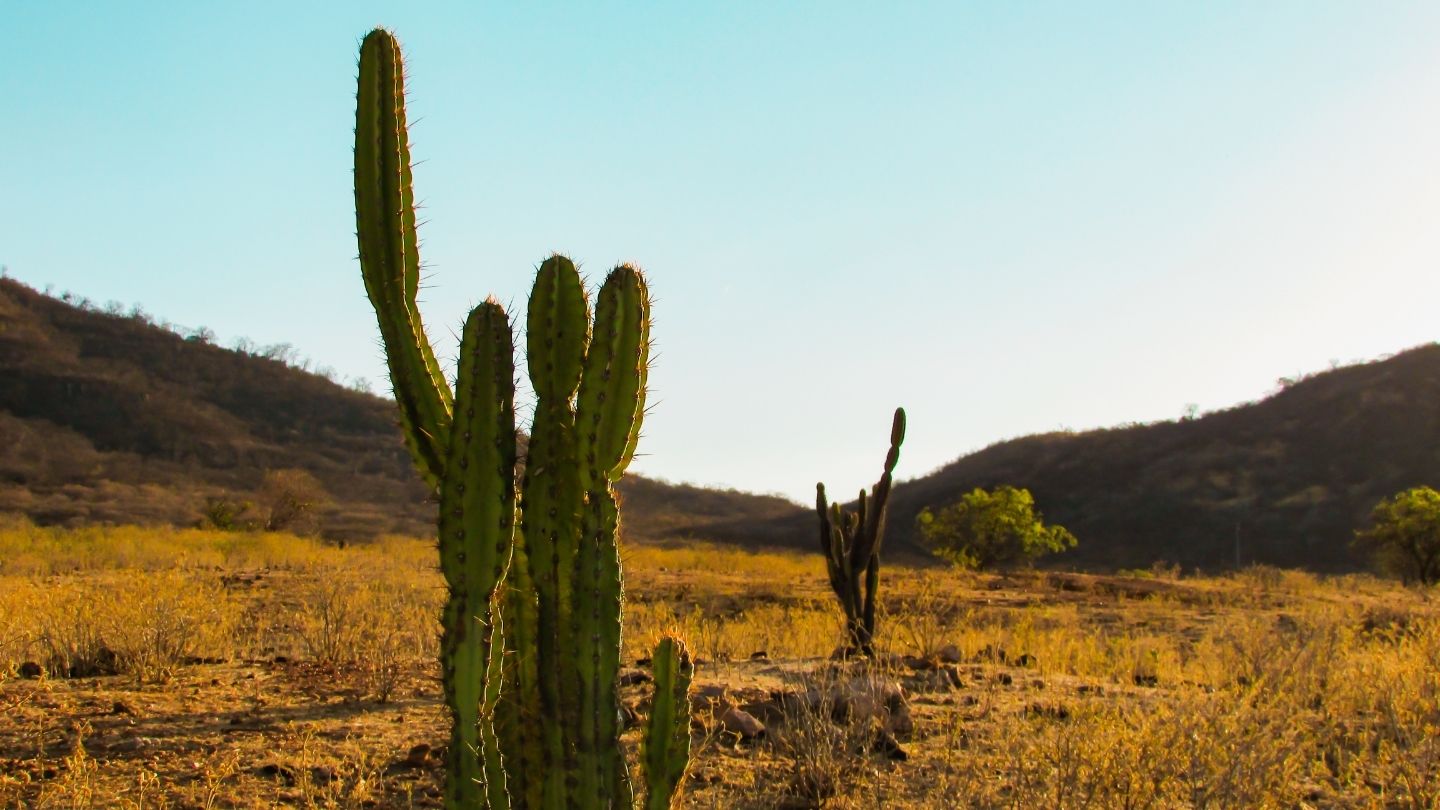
(106, 418)
(1284, 481)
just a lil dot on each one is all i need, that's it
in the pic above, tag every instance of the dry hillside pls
(107, 418)
(1284, 481)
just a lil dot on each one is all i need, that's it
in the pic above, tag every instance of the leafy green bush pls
(998, 529)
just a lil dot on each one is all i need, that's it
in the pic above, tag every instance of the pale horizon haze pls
(1009, 218)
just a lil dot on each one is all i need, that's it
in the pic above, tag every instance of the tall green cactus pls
(851, 544)
(530, 647)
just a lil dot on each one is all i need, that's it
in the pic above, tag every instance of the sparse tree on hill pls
(290, 500)
(999, 529)
(1404, 536)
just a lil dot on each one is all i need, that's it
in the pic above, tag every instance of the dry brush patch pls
(255, 670)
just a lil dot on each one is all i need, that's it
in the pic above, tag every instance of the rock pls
(742, 724)
(131, 745)
(31, 670)
(873, 699)
(760, 655)
(1050, 711)
(990, 653)
(322, 775)
(941, 679)
(121, 708)
(916, 663)
(796, 703)
(1146, 679)
(1025, 660)
(1004, 678)
(419, 756)
(766, 711)
(709, 698)
(633, 677)
(950, 654)
(274, 770)
(885, 743)
(712, 692)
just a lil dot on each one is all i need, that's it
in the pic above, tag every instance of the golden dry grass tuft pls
(171, 668)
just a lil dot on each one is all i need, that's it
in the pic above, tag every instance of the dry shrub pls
(924, 617)
(378, 625)
(147, 624)
(157, 622)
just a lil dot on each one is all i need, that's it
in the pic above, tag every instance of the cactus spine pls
(851, 543)
(530, 645)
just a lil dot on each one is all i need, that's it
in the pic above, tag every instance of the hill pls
(1284, 481)
(106, 417)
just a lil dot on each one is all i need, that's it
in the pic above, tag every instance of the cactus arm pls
(556, 336)
(389, 253)
(609, 407)
(611, 403)
(477, 526)
(557, 333)
(643, 369)
(822, 508)
(881, 490)
(827, 539)
(858, 548)
(666, 744)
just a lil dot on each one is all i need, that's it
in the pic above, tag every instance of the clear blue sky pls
(1008, 217)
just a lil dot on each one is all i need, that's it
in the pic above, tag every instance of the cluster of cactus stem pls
(530, 648)
(851, 544)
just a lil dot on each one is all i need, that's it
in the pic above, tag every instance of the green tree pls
(1404, 536)
(998, 529)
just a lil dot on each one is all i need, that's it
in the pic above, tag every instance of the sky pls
(1009, 218)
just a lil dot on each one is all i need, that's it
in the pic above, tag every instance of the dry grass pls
(205, 669)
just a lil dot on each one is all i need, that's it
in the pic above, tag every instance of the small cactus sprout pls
(851, 542)
(530, 648)
(667, 737)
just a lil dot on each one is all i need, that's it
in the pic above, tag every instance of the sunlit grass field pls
(146, 667)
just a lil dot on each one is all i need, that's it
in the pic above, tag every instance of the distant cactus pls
(530, 649)
(851, 544)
